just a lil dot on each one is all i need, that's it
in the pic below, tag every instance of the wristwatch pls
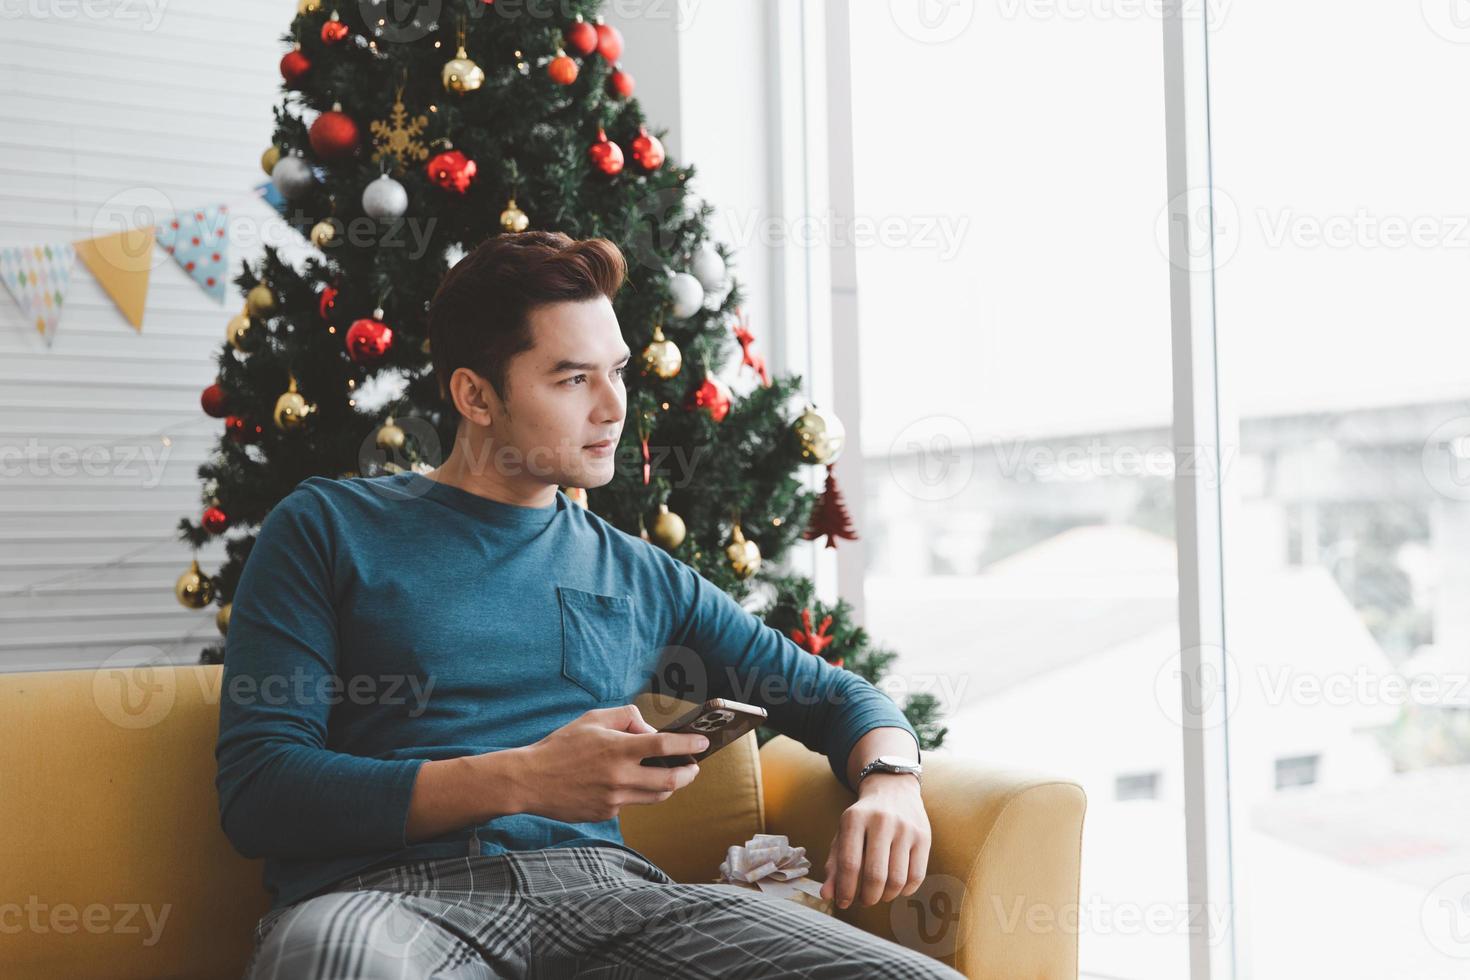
(891, 763)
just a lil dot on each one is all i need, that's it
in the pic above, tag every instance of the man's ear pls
(472, 395)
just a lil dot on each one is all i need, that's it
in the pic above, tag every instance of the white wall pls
(101, 115)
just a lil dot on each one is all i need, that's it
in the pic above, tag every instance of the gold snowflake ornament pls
(398, 136)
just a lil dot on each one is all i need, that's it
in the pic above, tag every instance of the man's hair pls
(480, 316)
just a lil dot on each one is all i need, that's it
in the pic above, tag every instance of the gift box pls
(768, 864)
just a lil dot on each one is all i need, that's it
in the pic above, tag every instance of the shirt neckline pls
(494, 511)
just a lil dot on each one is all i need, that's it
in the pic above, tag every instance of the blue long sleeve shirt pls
(380, 623)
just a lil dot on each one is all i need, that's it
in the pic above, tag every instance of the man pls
(426, 727)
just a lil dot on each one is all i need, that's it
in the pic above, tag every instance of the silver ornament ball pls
(292, 177)
(384, 199)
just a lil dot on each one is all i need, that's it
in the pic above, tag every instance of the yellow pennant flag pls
(121, 264)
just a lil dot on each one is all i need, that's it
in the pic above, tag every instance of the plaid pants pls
(578, 911)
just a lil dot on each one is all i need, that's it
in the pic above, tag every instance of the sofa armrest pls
(1000, 898)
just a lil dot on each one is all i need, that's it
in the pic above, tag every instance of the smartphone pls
(719, 720)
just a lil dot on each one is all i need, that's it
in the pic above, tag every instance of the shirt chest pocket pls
(598, 652)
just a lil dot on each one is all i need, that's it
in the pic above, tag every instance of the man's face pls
(566, 394)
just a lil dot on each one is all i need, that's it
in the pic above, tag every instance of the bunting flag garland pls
(199, 241)
(121, 264)
(37, 276)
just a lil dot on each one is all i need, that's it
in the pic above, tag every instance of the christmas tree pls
(400, 145)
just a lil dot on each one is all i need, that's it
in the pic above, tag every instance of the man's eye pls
(622, 370)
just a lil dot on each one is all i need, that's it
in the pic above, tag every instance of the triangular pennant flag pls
(199, 241)
(38, 276)
(121, 264)
(272, 197)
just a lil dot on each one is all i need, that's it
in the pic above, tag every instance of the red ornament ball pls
(609, 42)
(581, 37)
(368, 341)
(212, 400)
(563, 70)
(327, 306)
(214, 520)
(648, 152)
(294, 67)
(606, 155)
(620, 84)
(453, 171)
(242, 431)
(712, 394)
(334, 32)
(334, 135)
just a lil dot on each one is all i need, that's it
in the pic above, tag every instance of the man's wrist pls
(886, 782)
(504, 774)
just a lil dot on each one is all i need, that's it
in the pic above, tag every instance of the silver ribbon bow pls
(769, 862)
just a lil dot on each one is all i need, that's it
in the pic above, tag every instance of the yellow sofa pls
(113, 864)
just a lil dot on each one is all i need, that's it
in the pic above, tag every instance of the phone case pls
(720, 720)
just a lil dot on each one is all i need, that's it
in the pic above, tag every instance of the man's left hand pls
(881, 848)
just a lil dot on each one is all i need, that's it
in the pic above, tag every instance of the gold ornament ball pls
(308, 6)
(662, 356)
(260, 301)
(822, 435)
(513, 219)
(291, 411)
(270, 158)
(323, 234)
(390, 436)
(461, 74)
(238, 331)
(194, 590)
(668, 529)
(744, 555)
(576, 495)
(222, 619)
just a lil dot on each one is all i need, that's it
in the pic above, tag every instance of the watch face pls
(896, 760)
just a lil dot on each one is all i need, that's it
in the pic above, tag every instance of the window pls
(1013, 326)
(1137, 786)
(1299, 770)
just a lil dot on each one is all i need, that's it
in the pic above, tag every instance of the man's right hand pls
(591, 767)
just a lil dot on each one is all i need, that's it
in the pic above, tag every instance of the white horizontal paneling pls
(101, 434)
